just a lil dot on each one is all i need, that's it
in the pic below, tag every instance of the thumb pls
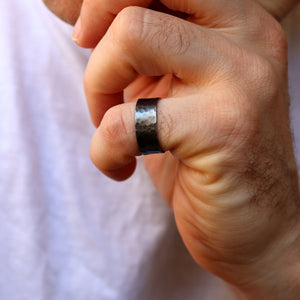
(188, 128)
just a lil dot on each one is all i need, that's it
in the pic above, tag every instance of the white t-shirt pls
(67, 231)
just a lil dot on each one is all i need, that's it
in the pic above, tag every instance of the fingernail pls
(76, 31)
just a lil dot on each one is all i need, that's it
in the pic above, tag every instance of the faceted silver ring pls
(146, 126)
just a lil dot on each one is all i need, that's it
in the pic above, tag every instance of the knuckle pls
(136, 25)
(128, 27)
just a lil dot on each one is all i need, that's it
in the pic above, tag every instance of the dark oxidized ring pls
(146, 126)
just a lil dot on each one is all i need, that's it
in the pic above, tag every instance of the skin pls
(67, 10)
(229, 174)
(96, 15)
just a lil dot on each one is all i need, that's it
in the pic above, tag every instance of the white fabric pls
(66, 231)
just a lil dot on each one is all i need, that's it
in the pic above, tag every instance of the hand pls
(230, 174)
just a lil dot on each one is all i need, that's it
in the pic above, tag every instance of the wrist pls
(277, 273)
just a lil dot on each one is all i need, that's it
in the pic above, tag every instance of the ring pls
(146, 126)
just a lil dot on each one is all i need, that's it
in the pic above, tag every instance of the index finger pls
(97, 15)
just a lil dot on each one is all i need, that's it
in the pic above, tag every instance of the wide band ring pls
(146, 126)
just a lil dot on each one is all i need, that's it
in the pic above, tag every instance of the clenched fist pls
(229, 172)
